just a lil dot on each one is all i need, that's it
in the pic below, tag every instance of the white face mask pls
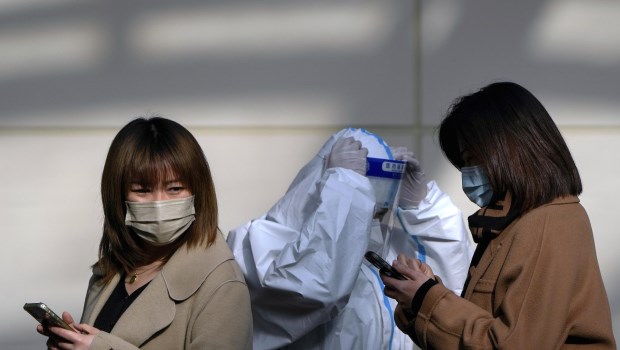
(476, 185)
(160, 222)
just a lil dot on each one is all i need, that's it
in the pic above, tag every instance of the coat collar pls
(155, 308)
(491, 251)
(187, 269)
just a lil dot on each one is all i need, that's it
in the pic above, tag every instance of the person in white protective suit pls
(304, 263)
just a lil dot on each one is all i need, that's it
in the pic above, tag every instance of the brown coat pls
(198, 301)
(537, 286)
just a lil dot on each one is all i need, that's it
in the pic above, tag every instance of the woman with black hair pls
(534, 280)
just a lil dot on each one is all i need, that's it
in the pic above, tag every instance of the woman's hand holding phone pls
(72, 340)
(382, 265)
(80, 338)
(416, 272)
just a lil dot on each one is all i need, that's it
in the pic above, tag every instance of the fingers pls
(426, 269)
(412, 272)
(348, 144)
(414, 169)
(397, 289)
(403, 154)
(404, 269)
(416, 265)
(86, 329)
(64, 338)
(349, 154)
(51, 344)
(67, 317)
(399, 152)
(411, 263)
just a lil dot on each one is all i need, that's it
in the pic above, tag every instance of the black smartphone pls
(46, 316)
(383, 266)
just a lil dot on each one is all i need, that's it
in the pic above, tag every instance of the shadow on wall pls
(94, 65)
(215, 63)
(565, 51)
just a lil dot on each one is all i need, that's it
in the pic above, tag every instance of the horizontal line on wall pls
(393, 129)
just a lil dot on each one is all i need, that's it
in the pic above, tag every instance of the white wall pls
(261, 87)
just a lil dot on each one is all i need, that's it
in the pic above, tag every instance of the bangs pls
(154, 165)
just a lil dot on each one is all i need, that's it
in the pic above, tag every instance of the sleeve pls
(106, 341)
(548, 267)
(302, 259)
(440, 235)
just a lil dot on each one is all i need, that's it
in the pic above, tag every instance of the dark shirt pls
(116, 305)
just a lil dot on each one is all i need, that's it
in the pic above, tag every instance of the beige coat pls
(537, 286)
(198, 301)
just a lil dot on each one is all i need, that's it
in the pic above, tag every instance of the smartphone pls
(45, 315)
(383, 266)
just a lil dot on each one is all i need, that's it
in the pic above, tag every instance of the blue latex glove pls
(349, 154)
(413, 187)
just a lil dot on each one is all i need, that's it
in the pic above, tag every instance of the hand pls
(404, 291)
(44, 328)
(349, 154)
(416, 264)
(61, 338)
(413, 187)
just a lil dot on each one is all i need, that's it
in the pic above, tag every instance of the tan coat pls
(537, 286)
(198, 301)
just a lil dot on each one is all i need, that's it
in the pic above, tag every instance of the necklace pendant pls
(133, 278)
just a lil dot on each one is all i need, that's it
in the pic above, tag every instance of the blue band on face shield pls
(390, 169)
(384, 176)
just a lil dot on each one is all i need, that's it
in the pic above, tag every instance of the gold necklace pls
(134, 276)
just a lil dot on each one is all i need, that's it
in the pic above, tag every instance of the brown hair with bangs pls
(509, 133)
(148, 152)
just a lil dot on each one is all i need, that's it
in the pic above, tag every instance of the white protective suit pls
(304, 263)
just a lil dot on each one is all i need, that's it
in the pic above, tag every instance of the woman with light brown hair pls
(534, 280)
(165, 278)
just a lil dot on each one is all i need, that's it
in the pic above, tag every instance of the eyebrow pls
(168, 182)
(141, 183)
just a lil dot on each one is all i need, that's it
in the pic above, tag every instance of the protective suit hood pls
(376, 146)
(382, 170)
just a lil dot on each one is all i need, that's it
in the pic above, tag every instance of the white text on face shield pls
(385, 176)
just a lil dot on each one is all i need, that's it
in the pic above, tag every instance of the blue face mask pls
(476, 185)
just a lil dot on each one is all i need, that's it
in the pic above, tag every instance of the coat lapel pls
(152, 311)
(489, 254)
(99, 294)
(155, 307)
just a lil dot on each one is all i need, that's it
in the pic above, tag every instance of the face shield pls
(385, 174)
(383, 171)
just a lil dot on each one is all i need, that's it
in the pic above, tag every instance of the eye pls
(175, 189)
(136, 188)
